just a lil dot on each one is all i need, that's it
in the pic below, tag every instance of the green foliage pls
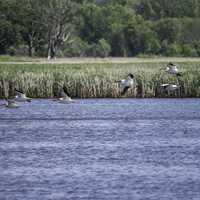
(77, 48)
(21, 50)
(168, 29)
(100, 27)
(101, 49)
(157, 9)
(173, 50)
(189, 51)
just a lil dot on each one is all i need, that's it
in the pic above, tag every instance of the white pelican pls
(21, 96)
(172, 69)
(169, 87)
(126, 83)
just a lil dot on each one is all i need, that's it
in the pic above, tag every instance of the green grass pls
(97, 80)
(7, 58)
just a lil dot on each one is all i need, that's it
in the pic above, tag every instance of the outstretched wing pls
(164, 85)
(125, 90)
(19, 93)
(66, 91)
(63, 93)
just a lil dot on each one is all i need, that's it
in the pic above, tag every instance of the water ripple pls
(102, 149)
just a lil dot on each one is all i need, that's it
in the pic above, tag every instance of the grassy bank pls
(96, 79)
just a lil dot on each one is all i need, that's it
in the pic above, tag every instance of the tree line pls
(100, 28)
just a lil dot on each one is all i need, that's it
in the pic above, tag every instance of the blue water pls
(101, 149)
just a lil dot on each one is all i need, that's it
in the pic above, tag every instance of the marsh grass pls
(97, 80)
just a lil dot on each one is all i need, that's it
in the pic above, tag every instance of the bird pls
(126, 83)
(172, 69)
(169, 87)
(64, 96)
(21, 96)
(11, 103)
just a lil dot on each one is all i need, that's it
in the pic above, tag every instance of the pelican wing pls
(164, 85)
(167, 68)
(66, 91)
(63, 93)
(125, 83)
(174, 86)
(19, 93)
(125, 90)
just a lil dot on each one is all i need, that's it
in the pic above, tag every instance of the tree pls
(157, 9)
(9, 28)
(169, 29)
(94, 24)
(101, 49)
(29, 20)
(99, 27)
(57, 17)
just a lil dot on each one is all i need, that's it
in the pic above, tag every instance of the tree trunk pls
(30, 48)
(51, 50)
(30, 45)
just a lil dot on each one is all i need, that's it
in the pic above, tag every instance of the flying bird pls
(169, 87)
(126, 83)
(64, 96)
(21, 96)
(172, 69)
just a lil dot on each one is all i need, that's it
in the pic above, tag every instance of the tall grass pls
(96, 80)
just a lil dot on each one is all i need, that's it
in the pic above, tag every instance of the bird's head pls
(170, 64)
(130, 75)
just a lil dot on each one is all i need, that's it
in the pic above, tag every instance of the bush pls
(189, 50)
(59, 54)
(152, 46)
(173, 50)
(101, 49)
(197, 48)
(41, 50)
(21, 50)
(11, 51)
(77, 48)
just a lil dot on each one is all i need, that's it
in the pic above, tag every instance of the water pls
(105, 149)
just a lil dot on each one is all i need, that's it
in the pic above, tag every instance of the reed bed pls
(97, 80)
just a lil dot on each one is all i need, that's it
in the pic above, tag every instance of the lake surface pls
(101, 149)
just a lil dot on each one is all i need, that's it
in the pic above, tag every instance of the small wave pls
(99, 119)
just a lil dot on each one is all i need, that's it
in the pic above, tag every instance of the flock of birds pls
(64, 96)
(167, 87)
(20, 96)
(173, 70)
